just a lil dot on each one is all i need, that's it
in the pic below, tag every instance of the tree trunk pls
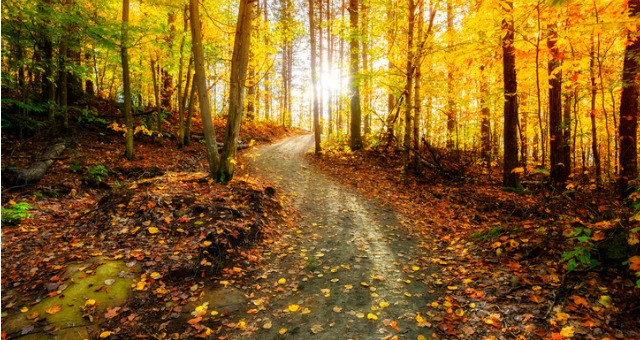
(592, 114)
(354, 77)
(485, 119)
(40, 167)
(200, 81)
(192, 103)
(156, 93)
(239, 64)
(451, 113)
(126, 82)
(314, 78)
(510, 176)
(558, 147)
(628, 124)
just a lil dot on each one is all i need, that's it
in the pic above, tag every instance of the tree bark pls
(40, 167)
(558, 145)
(592, 114)
(510, 176)
(314, 78)
(200, 80)
(408, 89)
(628, 124)
(451, 113)
(239, 64)
(126, 82)
(485, 119)
(354, 77)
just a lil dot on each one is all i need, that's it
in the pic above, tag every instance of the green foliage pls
(91, 116)
(487, 235)
(580, 256)
(17, 213)
(98, 172)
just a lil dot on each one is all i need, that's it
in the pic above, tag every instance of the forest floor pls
(297, 246)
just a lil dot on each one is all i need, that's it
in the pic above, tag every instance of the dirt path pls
(351, 269)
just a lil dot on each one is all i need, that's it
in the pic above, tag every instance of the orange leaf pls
(54, 309)
(195, 320)
(634, 263)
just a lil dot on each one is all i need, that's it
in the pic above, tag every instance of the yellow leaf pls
(306, 310)
(267, 325)
(347, 287)
(153, 230)
(24, 309)
(419, 318)
(567, 332)
(384, 304)
(237, 270)
(472, 305)
(54, 309)
(282, 331)
(214, 313)
(282, 281)
(105, 334)
(519, 170)
(294, 308)
(421, 337)
(372, 316)
(241, 325)
(415, 268)
(452, 287)
(459, 312)
(155, 275)
(359, 315)
(207, 243)
(90, 302)
(407, 294)
(33, 315)
(140, 285)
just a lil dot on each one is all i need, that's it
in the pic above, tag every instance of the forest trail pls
(351, 270)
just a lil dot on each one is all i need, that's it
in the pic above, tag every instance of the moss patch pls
(82, 300)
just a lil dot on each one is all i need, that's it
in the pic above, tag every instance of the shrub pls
(17, 213)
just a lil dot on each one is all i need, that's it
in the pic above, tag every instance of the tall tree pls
(314, 78)
(126, 81)
(354, 76)
(559, 146)
(410, 71)
(200, 82)
(451, 113)
(511, 177)
(239, 65)
(592, 112)
(628, 125)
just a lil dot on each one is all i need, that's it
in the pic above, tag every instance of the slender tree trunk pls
(156, 93)
(592, 114)
(126, 81)
(510, 176)
(239, 65)
(410, 72)
(417, 104)
(559, 173)
(628, 125)
(314, 78)
(451, 113)
(354, 76)
(200, 81)
(192, 102)
(485, 119)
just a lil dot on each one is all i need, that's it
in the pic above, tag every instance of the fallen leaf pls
(54, 309)
(282, 281)
(315, 329)
(567, 332)
(282, 331)
(105, 334)
(153, 230)
(294, 308)
(372, 316)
